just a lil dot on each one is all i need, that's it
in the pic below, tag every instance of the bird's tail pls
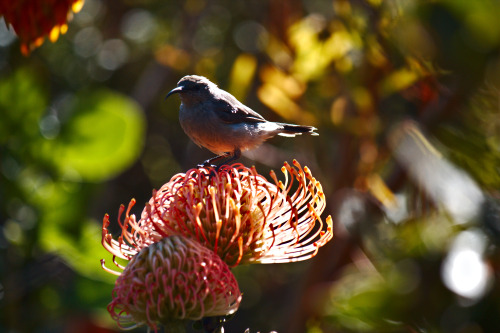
(293, 130)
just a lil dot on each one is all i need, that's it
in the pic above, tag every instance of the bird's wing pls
(232, 111)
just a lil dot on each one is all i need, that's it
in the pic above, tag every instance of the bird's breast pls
(203, 127)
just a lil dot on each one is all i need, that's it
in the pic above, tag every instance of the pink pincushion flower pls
(199, 223)
(170, 281)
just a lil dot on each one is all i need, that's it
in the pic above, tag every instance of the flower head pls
(170, 281)
(199, 223)
(33, 20)
(238, 213)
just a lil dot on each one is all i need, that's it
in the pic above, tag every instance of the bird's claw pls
(207, 164)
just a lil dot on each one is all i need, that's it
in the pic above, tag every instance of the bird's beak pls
(173, 91)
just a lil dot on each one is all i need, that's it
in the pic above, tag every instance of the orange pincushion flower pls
(236, 212)
(33, 20)
(173, 280)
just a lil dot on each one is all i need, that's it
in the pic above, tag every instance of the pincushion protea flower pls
(170, 281)
(238, 213)
(33, 20)
(199, 223)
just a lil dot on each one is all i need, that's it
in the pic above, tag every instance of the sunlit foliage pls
(405, 95)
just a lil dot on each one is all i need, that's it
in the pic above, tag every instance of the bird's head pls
(193, 88)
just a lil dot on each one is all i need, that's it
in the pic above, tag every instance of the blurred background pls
(405, 95)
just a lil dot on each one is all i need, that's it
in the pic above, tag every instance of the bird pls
(216, 120)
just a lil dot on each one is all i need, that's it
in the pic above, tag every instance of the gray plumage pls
(216, 120)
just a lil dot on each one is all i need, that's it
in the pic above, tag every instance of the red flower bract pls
(32, 20)
(236, 212)
(170, 281)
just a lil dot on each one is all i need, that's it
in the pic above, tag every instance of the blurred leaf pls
(315, 54)
(479, 17)
(104, 136)
(403, 289)
(476, 138)
(173, 57)
(64, 230)
(22, 103)
(274, 98)
(468, 150)
(84, 254)
(362, 303)
(401, 79)
(289, 84)
(242, 74)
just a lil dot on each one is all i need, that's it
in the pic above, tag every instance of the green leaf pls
(64, 229)
(104, 136)
(22, 102)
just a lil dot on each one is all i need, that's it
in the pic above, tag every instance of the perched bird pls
(216, 120)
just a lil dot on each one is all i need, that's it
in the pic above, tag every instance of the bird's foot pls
(207, 164)
(231, 157)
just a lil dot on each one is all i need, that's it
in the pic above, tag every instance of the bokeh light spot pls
(113, 54)
(13, 231)
(138, 25)
(464, 270)
(250, 36)
(87, 42)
